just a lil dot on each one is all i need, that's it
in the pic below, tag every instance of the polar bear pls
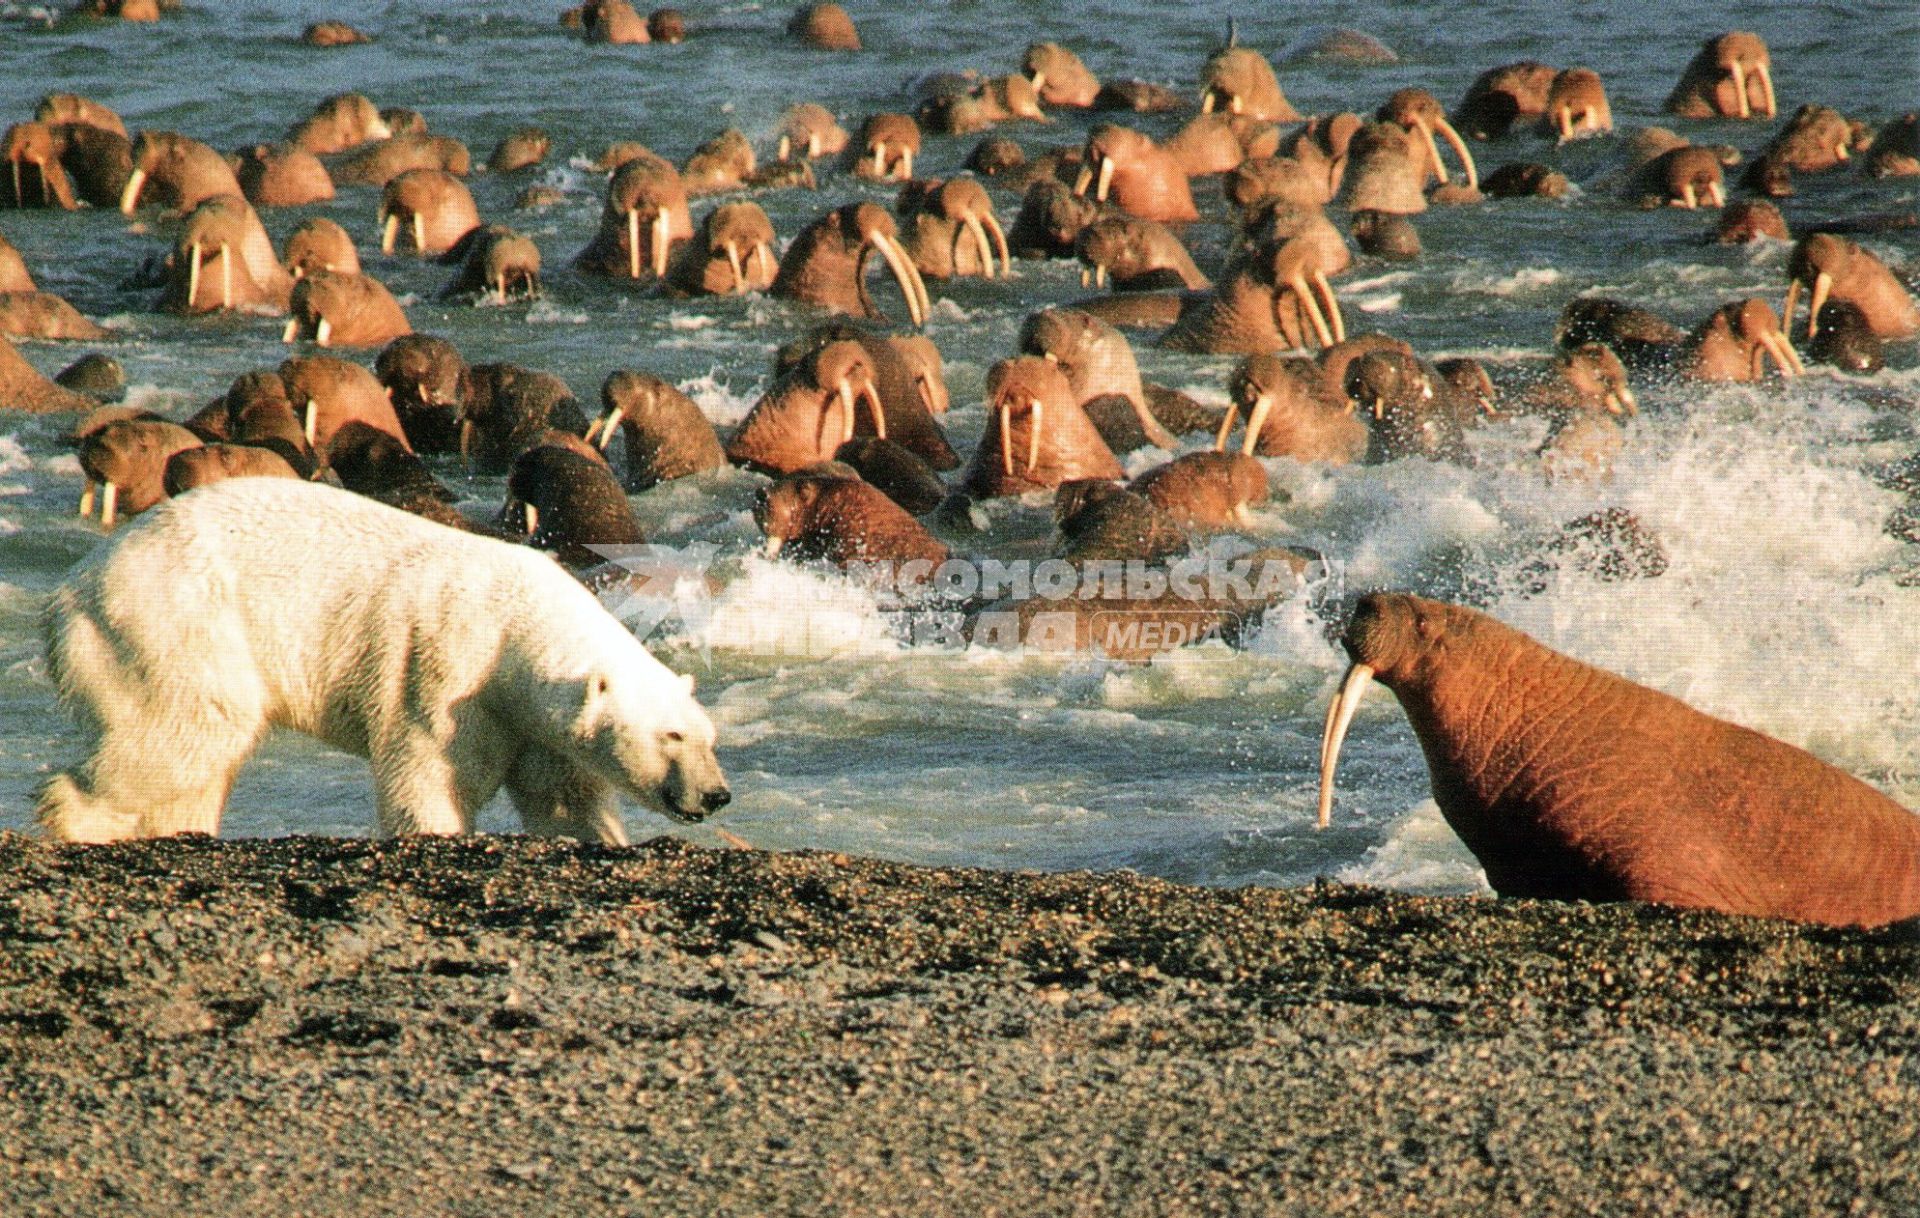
(454, 663)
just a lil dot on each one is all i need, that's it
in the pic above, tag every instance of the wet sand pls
(498, 1025)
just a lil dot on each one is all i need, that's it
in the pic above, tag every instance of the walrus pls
(1098, 519)
(380, 162)
(1571, 783)
(329, 393)
(568, 503)
(1100, 367)
(522, 148)
(128, 460)
(1291, 411)
(370, 462)
(841, 521)
(824, 27)
(898, 472)
(24, 388)
(335, 308)
(319, 244)
(509, 409)
(428, 380)
(44, 315)
(433, 207)
(1058, 75)
(827, 263)
(1838, 269)
(1037, 435)
(341, 122)
(885, 150)
(813, 409)
(498, 263)
(1206, 489)
(282, 175)
(210, 463)
(907, 376)
(666, 434)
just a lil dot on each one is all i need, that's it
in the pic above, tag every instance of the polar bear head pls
(652, 740)
(596, 696)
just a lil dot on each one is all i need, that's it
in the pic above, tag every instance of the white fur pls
(454, 663)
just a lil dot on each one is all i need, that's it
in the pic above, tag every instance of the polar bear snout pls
(695, 788)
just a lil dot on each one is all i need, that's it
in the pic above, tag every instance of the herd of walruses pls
(1564, 780)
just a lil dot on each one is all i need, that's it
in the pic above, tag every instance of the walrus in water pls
(335, 308)
(813, 409)
(128, 458)
(568, 503)
(841, 521)
(827, 263)
(510, 408)
(1838, 269)
(1037, 435)
(1571, 783)
(1206, 489)
(210, 463)
(329, 393)
(1291, 411)
(667, 436)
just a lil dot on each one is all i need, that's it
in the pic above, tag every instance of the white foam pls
(719, 400)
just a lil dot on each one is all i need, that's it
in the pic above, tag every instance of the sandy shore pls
(498, 1025)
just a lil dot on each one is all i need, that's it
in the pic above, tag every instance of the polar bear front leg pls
(556, 798)
(423, 784)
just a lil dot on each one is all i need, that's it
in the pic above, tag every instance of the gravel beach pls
(499, 1024)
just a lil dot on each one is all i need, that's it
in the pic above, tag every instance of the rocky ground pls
(497, 1025)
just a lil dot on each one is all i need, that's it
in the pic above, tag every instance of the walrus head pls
(1396, 638)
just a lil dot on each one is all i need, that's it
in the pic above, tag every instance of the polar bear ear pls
(688, 678)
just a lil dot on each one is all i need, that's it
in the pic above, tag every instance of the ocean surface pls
(1785, 606)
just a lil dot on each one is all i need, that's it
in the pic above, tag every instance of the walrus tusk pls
(1256, 422)
(108, 499)
(321, 330)
(1085, 180)
(1688, 199)
(903, 270)
(1433, 149)
(130, 197)
(979, 232)
(661, 224)
(1563, 118)
(389, 232)
(1206, 101)
(1243, 515)
(312, 425)
(466, 438)
(906, 165)
(1039, 81)
(1791, 303)
(1839, 151)
(846, 410)
(1463, 152)
(193, 274)
(1298, 286)
(763, 258)
(607, 425)
(1006, 436)
(733, 260)
(1100, 275)
(1339, 719)
(872, 397)
(291, 330)
(1740, 90)
(1333, 305)
(633, 243)
(1822, 287)
(1000, 244)
(1766, 86)
(419, 233)
(19, 200)
(226, 276)
(1105, 184)
(1792, 356)
(593, 429)
(86, 500)
(532, 515)
(880, 159)
(1716, 194)
(1037, 419)
(786, 148)
(1086, 277)
(1226, 427)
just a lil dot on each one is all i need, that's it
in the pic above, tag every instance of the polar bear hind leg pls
(163, 760)
(556, 798)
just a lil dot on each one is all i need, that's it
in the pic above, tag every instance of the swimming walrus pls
(1571, 783)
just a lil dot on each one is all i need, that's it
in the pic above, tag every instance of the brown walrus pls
(1291, 411)
(22, 387)
(1037, 434)
(827, 263)
(329, 393)
(1571, 783)
(335, 308)
(128, 458)
(210, 463)
(1838, 269)
(812, 410)
(1206, 489)
(667, 436)
(842, 521)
